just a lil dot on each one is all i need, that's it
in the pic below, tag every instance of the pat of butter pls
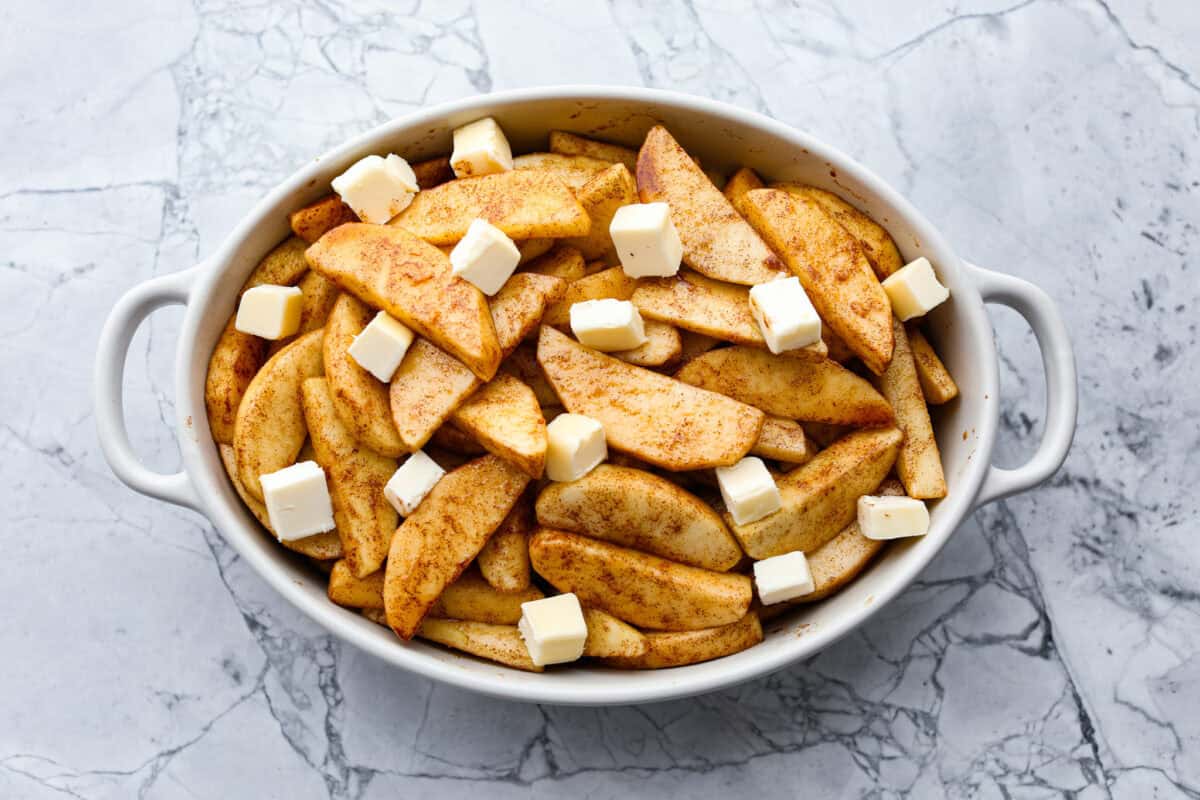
(553, 629)
(380, 347)
(485, 257)
(608, 325)
(914, 290)
(783, 577)
(297, 500)
(575, 446)
(269, 311)
(480, 148)
(410, 484)
(890, 517)
(784, 314)
(748, 490)
(377, 188)
(646, 240)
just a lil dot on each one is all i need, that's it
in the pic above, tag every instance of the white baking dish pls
(724, 137)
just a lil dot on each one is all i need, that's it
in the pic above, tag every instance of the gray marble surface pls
(1053, 648)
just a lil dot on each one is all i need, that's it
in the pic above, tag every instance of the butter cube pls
(748, 490)
(576, 444)
(380, 347)
(297, 501)
(914, 290)
(485, 256)
(783, 577)
(269, 311)
(377, 188)
(890, 517)
(480, 148)
(553, 629)
(784, 314)
(646, 240)
(608, 325)
(410, 484)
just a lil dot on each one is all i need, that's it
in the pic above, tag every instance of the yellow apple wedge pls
(440, 538)
(641, 589)
(832, 268)
(638, 509)
(820, 498)
(652, 417)
(717, 242)
(388, 268)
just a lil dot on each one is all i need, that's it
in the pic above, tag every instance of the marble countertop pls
(1053, 647)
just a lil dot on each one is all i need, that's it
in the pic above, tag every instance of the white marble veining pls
(1054, 647)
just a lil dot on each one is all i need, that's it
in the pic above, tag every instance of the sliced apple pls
(504, 560)
(919, 463)
(820, 498)
(365, 519)
(876, 243)
(518, 308)
(571, 144)
(430, 384)
(523, 364)
(638, 509)
(574, 171)
(427, 387)
(320, 546)
(607, 283)
(600, 197)
(561, 262)
(472, 598)
(504, 416)
(742, 181)
(641, 589)
(810, 389)
(936, 383)
(500, 643)
(360, 398)
(662, 346)
(233, 364)
(832, 267)
(608, 637)
(717, 242)
(524, 203)
(350, 590)
(390, 269)
(269, 430)
(679, 648)
(439, 539)
(784, 440)
(315, 220)
(653, 417)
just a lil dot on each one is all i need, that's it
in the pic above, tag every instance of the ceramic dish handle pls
(124, 320)
(1061, 391)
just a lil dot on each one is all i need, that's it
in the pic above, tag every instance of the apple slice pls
(360, 398)
(652, 417)
(440, 538)
(641, 589)
(832, 267)
(524, 203)
(810, 389)
(638, 509)
(820, 498)
(717, 242)
(365, 519)
(504, 416)
(679, 648)
(269, 430)
(390, 269)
